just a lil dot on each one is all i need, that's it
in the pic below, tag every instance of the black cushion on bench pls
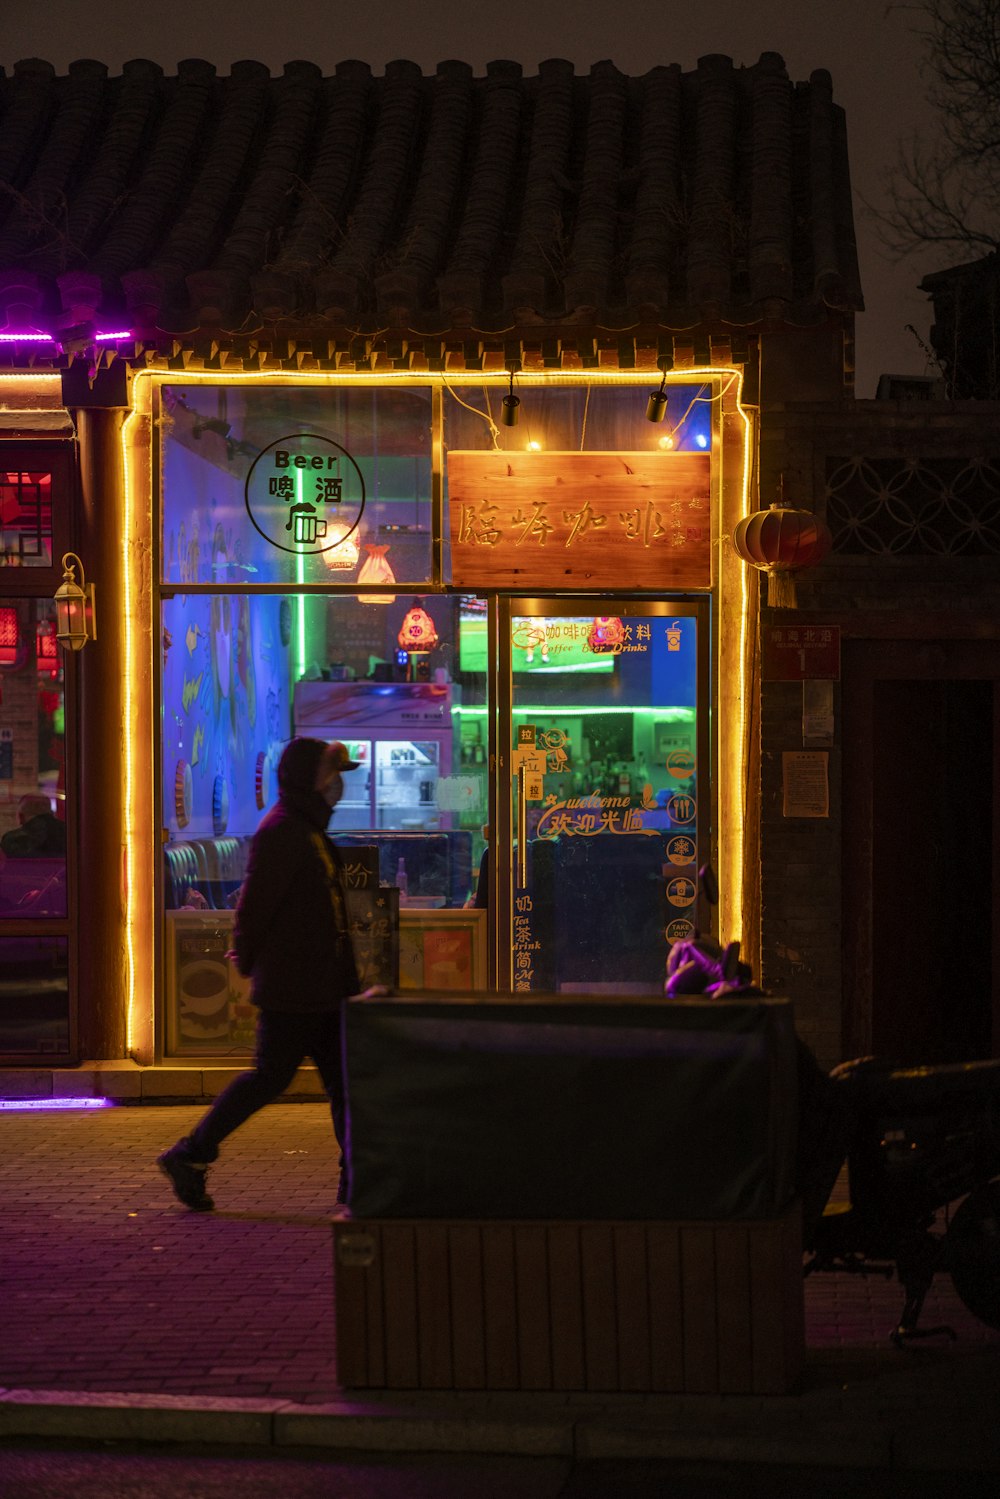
(570, 1108)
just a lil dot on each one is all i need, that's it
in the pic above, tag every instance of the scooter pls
(916, 1142)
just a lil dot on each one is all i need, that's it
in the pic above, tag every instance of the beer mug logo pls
(297, 485)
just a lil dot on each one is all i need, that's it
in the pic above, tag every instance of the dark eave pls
(406, 218)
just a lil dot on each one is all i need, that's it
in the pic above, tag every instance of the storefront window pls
(280, 484)
(25, 518)
(583, 492)
(32, 763)
(606, 753)
(592, 558)
(608, 417)
(244, 672)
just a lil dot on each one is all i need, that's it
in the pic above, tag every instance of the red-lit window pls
(10, 636)
(47, 648)
(25, 519)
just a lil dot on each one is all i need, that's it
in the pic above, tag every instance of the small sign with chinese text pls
(800, 653)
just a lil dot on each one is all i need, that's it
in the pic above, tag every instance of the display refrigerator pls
(401, 735)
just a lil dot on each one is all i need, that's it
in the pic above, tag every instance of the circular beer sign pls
(305, 494)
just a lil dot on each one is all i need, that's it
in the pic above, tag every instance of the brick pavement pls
(110, 1286)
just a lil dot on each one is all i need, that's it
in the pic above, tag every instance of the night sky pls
(868, 48)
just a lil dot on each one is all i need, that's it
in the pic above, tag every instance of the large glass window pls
(608, 784)
(583, 492)
(403, 683)
(281, 484)
(576, 417)
(318, 490)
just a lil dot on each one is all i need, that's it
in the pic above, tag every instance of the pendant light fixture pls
(376, 569)
(343, 554)
(509, 405)
(417, 633)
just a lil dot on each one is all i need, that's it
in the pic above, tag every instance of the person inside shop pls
(291, 937)
(39, 833)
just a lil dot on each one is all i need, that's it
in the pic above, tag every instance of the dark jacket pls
(291, 932)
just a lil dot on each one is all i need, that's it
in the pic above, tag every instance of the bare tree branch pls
(946, 190)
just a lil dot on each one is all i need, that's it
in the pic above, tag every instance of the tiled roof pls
(314, 211)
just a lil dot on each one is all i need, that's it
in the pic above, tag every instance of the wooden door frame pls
(866, 662)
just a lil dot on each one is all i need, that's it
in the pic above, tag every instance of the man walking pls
(292, 938)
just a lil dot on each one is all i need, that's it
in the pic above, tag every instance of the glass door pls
(608, 815)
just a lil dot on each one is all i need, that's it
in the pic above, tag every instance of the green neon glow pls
(550, 710)
(300, 576)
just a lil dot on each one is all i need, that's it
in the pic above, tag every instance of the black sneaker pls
(186, 1178)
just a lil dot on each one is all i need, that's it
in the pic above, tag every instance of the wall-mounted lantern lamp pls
(76, 613)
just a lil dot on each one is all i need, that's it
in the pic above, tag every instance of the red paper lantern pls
(781, 539)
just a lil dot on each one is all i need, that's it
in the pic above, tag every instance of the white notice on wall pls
(805, 783)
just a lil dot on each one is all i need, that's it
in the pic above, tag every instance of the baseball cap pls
(339, 757)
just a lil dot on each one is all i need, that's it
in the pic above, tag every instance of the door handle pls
(522, 829)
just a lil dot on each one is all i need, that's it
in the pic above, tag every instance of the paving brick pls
(118, 1288)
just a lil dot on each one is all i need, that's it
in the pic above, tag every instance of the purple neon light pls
(47, 338)
(17, 1105)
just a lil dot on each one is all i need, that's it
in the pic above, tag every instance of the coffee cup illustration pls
(204, 999)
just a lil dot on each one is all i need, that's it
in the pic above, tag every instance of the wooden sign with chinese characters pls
(610, 520)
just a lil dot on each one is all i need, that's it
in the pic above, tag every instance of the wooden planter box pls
(702, 1308)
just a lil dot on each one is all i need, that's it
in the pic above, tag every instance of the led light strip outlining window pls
(731, 775)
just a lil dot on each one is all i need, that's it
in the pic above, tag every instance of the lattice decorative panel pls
(917, 507)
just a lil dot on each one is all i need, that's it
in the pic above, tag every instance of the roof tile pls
(326, 207)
